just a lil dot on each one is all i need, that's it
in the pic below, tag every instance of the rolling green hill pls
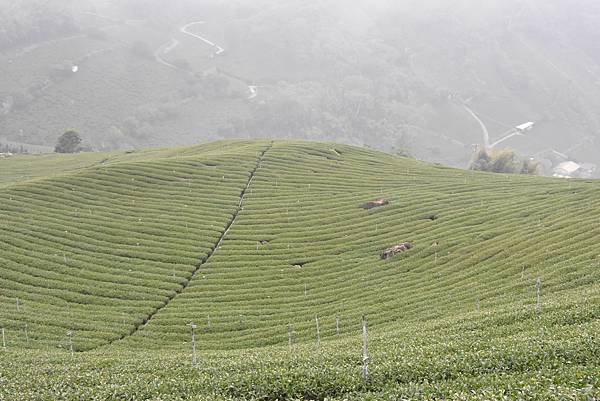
(252, 240)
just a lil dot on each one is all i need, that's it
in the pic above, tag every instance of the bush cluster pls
(503, 161)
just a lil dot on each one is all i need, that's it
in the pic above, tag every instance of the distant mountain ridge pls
(393, 76)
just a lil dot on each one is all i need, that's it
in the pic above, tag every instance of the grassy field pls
(19, 169)
(257, 242)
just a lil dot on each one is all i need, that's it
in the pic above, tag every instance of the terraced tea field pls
(260, 242)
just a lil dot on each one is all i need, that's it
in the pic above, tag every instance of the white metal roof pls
(525, 127)
(568, 167)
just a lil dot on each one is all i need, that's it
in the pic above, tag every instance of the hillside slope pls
(251, 239)
(115, 243)
(318, 71)
(99, 249)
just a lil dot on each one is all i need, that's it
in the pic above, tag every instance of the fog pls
(436, 80)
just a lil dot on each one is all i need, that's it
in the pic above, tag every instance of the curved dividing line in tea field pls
(212, 251)
(99, 252)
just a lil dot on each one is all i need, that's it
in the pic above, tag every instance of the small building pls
(566, 169)
(525, 127)
(571, 169)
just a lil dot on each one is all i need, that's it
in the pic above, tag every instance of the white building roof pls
(525, 127)
(568, 167)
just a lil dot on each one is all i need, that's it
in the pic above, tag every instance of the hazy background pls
(403, 76)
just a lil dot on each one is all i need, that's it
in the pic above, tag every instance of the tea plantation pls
(265, 248)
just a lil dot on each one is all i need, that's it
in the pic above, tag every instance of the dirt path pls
(164, 50)
(484, 130)
(506, 136)
(218, 50)
(184, 29)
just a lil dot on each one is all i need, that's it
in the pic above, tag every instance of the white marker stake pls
(365, 356)
(318, 333)
(194, 360)
(538, 290)
(26, 335)
(18, 306)
(70, 341)
(3, 340)
(337, 326)
(290, 330)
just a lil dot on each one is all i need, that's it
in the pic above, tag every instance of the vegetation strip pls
(97, 251)
(210, 253)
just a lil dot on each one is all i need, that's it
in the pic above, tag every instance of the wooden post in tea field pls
(3, 340)
(70, 341)
(290, 330)
(538, 290)
(318, 333)
(194, 360)
(337, 325)
(365, 356)
(209, 323)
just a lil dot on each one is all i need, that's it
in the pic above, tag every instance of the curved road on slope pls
(164, 50)
(218, 50)
(484, 130)
(506, 136)
(184, 29)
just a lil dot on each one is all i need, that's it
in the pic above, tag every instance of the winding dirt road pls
(184, 29)
(218, 50)
(506, 136)
(484, 130)
(164, 50)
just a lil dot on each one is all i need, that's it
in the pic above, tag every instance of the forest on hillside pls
(30, 21)
(405, 77)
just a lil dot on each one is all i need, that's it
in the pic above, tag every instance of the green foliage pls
(449, 360)
(15, 149)
(503, 161)
(21, 169)
(68, 142)
(98, 250)
(31, 21)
